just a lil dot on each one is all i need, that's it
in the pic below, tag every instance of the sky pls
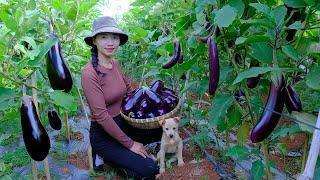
(115, 8)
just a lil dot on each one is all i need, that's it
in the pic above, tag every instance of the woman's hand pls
(138, 148)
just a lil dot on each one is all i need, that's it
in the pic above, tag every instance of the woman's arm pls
(95, 98)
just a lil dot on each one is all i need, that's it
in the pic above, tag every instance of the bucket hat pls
(105, 24)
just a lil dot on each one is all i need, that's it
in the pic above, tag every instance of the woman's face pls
(107, 43)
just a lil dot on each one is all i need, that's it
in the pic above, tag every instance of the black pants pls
(118, 156)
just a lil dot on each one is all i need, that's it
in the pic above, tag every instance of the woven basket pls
(150, 123)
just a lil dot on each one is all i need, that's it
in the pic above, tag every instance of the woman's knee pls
(150, 170)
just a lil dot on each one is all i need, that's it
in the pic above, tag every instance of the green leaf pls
(238, 5)
(313, 78)
(262, 52)
(307, 118)
(225, 16)
(296, 25)
(44, 48)
(257, 170)
(280, 13)
(152, 72)
(251, 39)
(29, 40)
(64, 100)
(219, 108)
(262, 8)
(234, 118)
(295, 3)
(240, 153)
(9, 21)
(263, 22)
(243, 133)
(254, 72)
(192, 42)
(6, 93)
(285, 131)
(283, 148)
(138, 33)
(290, 52)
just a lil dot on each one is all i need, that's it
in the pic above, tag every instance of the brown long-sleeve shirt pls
(104, 96)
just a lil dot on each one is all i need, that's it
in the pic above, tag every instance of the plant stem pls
(19, 82)
(266, 157)
(304, 26)
(305, 151)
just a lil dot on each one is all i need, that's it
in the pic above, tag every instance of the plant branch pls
(20, 82)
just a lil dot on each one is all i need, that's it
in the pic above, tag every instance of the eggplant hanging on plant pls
(58, 72)
(176, 56)
(269, 120)
(252, 82)
(292, 100)
(180, 60)
(54, 120)
(204, 39)
(239, 95)
(214, 67)
(35, 136)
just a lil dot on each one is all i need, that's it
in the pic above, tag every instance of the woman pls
(104, 86)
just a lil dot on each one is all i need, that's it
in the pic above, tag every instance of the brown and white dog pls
(170, 142)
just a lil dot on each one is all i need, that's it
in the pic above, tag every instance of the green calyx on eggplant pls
(54, 120)
(58, 72)
(269, 120)
(157, 86)
(35, 136)
(176, 56)
(204, 39)
(214, 66)
(292, 100)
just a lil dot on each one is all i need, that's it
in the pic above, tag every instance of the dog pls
(170, 142)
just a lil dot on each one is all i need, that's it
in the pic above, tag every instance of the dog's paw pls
(162, 170)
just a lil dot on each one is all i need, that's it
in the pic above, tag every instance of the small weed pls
(17, 158)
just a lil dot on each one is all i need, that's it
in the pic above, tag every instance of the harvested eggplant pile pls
(151, 102)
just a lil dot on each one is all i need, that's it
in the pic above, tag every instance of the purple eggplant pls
(269, 120)
(180, 60)
(131, 103)
(153, 97)
(176, 56)
(35, 136)
(157, 86)
(161, 111)
(58, 73)
(168, 91)
(252, 82)
(291, 99)
(239, 95)
(54, 120)
(214, 67)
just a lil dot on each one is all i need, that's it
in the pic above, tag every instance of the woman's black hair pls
(94, 56)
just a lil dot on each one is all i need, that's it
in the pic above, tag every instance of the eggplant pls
(292, 100)
(132, 102)
(54, 120)
(140, 115)
(269, 120)
(239, 95)
(150, 115)
(214, 67)
(35, 136)
(252, 82)
(169, 91)
(157, 86)
(183, 76)
(161, 111)
(176, 56)
(180, 60)
(58, 72)
(153, 97)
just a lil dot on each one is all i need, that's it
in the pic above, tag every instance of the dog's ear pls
(162, 121)
(177, 119)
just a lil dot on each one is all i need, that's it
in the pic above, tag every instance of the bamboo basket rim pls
(154, 119)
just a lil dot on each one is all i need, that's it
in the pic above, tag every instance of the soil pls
(79, 160)
(78, 136)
